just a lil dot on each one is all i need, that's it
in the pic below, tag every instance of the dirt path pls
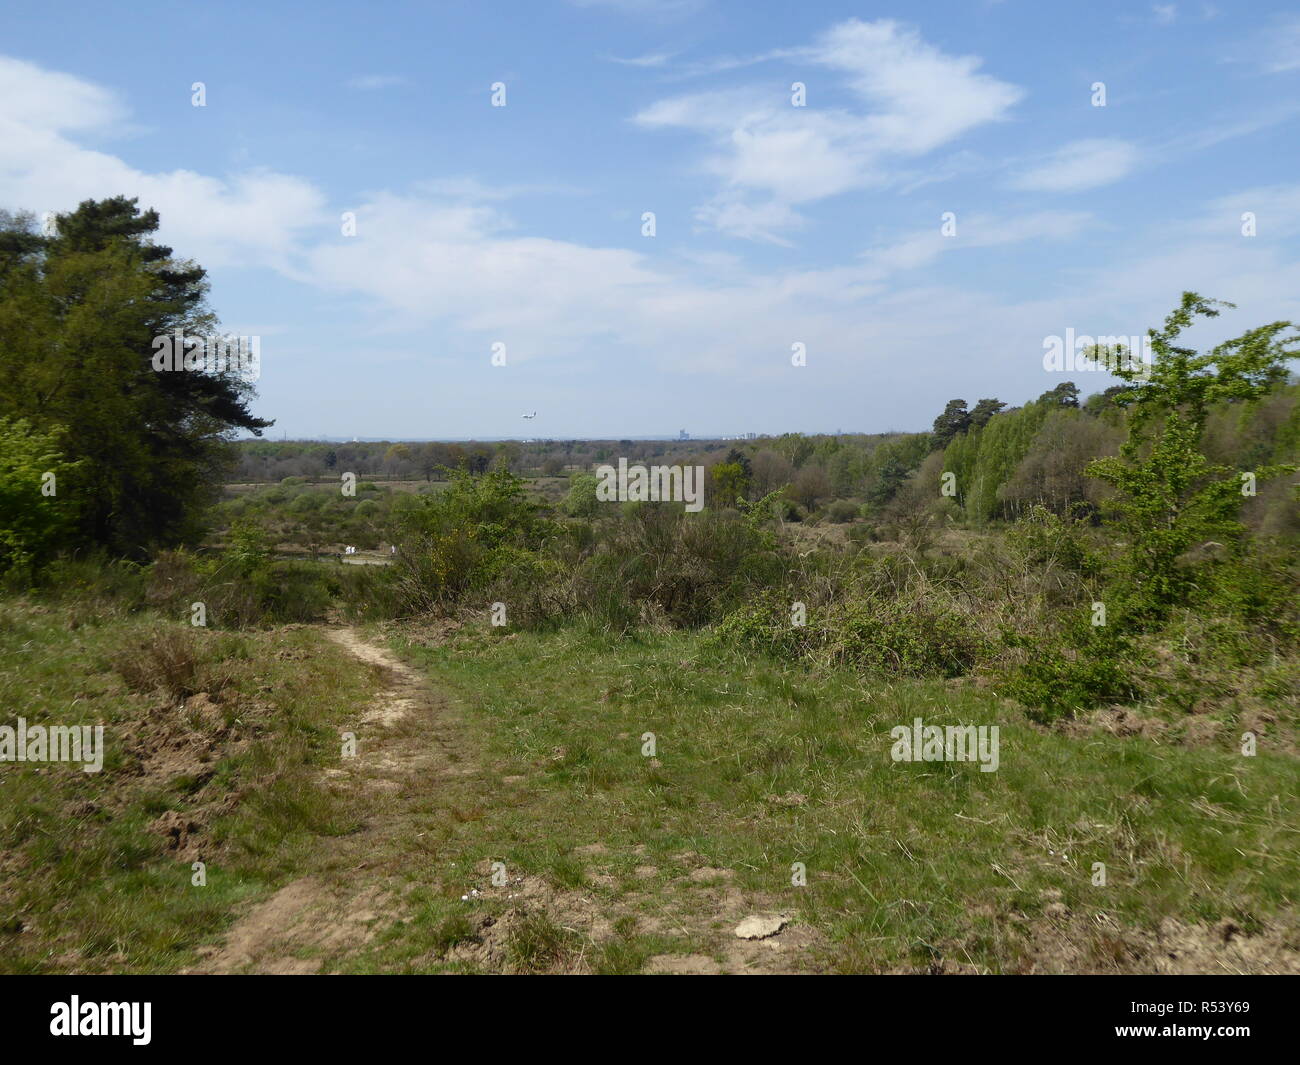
(401, 733)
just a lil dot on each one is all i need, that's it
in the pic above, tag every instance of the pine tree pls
(79, 314)
(954, 419)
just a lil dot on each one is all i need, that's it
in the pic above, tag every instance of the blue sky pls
(775, 224)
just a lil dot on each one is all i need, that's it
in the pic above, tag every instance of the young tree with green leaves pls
(1168, 496)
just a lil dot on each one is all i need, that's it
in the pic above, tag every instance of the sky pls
(723, 216)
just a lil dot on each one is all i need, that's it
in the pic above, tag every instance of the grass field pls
(529, 750)
(909, 865)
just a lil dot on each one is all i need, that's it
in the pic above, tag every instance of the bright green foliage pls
(732, 478)
(729, 483)
(982, 461)
(582, 500)
(892, 636)
(456, 541)
(33, 524)
(1076, 671)
(248, 552)
(1169, 496)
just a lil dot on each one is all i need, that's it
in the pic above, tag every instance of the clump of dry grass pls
(179, 662)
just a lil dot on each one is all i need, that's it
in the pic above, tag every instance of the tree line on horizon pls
(129, 460)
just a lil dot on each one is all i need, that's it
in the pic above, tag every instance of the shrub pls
(451, 542)
(582, 500)
(33, 525)
(1076, 671)
(1047, 541)
(907, 635)
(294, 592)
(686, 569)
(842, 510)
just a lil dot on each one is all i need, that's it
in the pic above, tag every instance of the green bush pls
(452, 543)
(896, 636)
(1076, 671)
(659, 563)
(842, 511)
(34, 524)
(1047, 540)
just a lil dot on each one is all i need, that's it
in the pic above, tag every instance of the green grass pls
(906, 862)
(85, 884)
(758, 765)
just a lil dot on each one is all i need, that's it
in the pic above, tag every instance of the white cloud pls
(1079, 165)
(54, 102)
(426, 261)
(914, 100)
(1282, 53)
(650, 59)
(420, 263)
(367, 82)
(1276, 209)
(250, 217)
(975, 231)
(1272, 47)
(470, 190)
(444, 272)
(922, 97)
(761, 222)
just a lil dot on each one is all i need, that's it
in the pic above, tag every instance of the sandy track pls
(308, 920)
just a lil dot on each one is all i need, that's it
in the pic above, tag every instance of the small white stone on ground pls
(756, 927)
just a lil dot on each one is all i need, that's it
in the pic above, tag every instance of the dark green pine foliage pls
(79, 314)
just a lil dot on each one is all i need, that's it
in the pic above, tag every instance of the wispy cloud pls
(1079, 165)
(1271, 47)
(651, 59)
(976, 231)
(1282, 53)
(370, 82)
(912, 97)
(471, 190)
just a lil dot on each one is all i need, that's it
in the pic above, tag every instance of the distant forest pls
(1004, 459)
